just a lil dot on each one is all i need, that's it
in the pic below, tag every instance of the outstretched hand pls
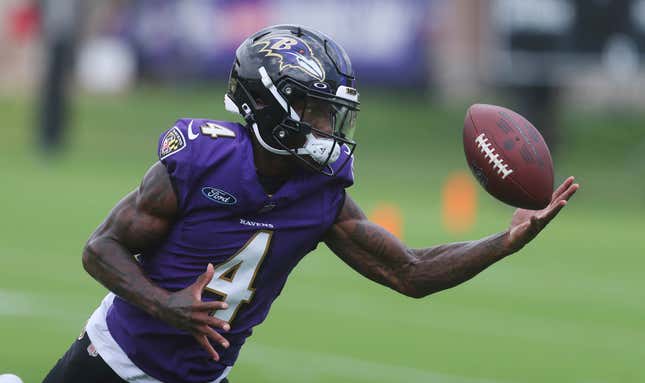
(185, 310)
(526, 224)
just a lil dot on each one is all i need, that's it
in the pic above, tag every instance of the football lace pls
(493, 158)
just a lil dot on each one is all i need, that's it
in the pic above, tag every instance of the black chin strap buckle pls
(248, 114)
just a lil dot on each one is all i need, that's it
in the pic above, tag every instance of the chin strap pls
(266, 146)
(317, 148)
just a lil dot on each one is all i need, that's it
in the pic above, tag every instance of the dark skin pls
(144, 217)
(138, 222)
(381, 257)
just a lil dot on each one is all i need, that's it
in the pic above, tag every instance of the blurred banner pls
(385, 39)
(546, 42)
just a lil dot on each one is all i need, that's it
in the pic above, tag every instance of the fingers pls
(203, 341)
(569, 192)
(214, 335)
(203, 280)
(218, 323)
(204, 318)
(210, 306)
(563, 197)
(205, 332)
(202, 313)
(552, 212)
(564, 186)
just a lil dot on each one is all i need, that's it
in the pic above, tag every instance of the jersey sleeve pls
(176, 154)
(193, 148)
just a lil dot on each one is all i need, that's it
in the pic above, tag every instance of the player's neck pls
(271, 165)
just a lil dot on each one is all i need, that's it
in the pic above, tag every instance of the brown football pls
(508, 156)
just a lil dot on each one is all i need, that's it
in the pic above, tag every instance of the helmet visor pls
(326, 115)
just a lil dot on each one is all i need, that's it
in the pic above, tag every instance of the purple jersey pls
(253, 240)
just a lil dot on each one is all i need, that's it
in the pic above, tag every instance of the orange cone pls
(389, 217)
(459, 203)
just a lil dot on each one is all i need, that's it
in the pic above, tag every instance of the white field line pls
(313, 366)
(14, 303)
(283, 362)
(545, 330)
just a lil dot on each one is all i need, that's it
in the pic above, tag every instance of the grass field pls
(568, 308)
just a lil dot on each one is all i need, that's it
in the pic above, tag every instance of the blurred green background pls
(569, 308)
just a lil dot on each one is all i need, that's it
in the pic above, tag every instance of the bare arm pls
(381, 257)
(138, 222)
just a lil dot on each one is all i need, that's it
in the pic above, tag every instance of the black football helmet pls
(295, 88)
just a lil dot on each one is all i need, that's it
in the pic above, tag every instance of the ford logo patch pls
(219, 196)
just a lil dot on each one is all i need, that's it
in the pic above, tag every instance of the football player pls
(196, 255)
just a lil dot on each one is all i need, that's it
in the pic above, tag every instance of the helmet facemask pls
(315, 127)
(317, 130)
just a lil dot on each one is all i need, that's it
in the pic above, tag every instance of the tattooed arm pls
(138, 222)
(381, 257)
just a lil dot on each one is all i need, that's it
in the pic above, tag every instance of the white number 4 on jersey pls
(214, 130)
(233, 278)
